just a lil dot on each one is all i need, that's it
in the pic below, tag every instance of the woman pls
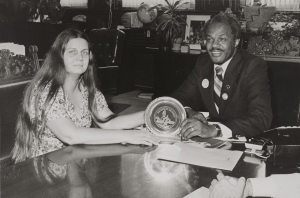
(62, 100)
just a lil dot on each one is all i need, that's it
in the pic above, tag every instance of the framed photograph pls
(193, 29)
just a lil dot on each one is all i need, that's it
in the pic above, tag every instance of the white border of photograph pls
(190, 18)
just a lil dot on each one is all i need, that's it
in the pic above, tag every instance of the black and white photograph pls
(201, 99)
(193, 31)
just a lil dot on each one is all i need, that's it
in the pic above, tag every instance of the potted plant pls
(170, 22)
(280, 21)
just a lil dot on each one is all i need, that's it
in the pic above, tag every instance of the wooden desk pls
(112, 171)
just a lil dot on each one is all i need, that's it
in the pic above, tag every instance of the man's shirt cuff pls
(226, 132)
(263, 187)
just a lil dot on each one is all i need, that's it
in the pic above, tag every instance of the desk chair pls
(15, 73)
(107, 47)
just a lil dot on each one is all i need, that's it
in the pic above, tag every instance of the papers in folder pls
(213, 158)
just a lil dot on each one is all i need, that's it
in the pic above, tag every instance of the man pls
(232, 85)
(277, 186)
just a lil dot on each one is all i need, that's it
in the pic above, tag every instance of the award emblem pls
(164, 116)
(225, 96)
(205, 83)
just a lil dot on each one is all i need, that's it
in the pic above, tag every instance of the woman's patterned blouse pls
(60, 107)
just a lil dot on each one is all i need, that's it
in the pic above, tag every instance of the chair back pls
(107, 46)
(16, 71)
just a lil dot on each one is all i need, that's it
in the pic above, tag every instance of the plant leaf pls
(176, 3)
(168, 3)
(167, 12)
(160, 26)
(165, 25)
(182, 4)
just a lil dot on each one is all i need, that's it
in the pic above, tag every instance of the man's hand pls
(227, 187)
(194, 127)
(194, 114)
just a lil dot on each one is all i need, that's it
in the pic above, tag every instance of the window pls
(74, 3)
(137, 3)
(281, 5)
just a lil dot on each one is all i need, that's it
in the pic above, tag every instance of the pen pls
(181, 139)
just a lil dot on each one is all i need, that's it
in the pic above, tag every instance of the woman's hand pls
(195, 114)
(140, 137)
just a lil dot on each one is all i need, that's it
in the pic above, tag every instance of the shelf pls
(289, 59)
(266, 34)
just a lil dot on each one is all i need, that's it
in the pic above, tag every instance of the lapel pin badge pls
(205, 83)
(225, 96)
(227, 87)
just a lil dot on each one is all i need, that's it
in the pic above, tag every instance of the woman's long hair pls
(53, 72)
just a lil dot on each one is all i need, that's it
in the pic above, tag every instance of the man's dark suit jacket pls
(247, 110)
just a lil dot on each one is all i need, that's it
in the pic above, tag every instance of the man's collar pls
(224, 65)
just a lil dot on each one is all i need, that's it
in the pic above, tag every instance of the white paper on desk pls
(199, 193)
(213, 158)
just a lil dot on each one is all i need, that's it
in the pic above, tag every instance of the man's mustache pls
(216, 49)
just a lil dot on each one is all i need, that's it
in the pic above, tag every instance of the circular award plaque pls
(164, 116)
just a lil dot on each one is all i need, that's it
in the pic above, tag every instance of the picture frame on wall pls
(195, 23)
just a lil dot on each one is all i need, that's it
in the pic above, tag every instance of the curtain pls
(281, 5)
(137, 3)
(74, 3)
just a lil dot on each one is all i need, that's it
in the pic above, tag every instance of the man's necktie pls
(218, 84)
